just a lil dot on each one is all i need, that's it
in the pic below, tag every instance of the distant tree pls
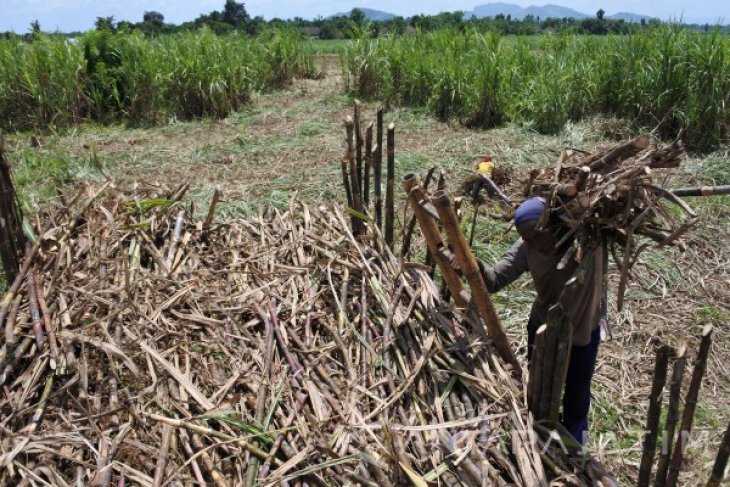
(153, 17)
(277, 22)
(125, 25)
(35, 27)
(328, 30)
(235, 14)
(105, 23)
(600, 14)
(357, 16)
(398, 26)
(255, 25)
(643, 22)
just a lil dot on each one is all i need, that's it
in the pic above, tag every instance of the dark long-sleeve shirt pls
(549, 283)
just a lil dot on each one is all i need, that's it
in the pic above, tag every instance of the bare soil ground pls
(291, 142)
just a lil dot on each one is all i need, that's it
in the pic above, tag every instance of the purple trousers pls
(577, 395)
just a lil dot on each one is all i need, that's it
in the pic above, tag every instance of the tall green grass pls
(667, 76)
(115, 76)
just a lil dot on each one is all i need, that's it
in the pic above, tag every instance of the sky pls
(79, 15)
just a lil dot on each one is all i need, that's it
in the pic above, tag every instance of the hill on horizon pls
(515, 11)
(370, 14)
(545, 11)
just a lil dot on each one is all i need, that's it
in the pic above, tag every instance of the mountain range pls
(545, 11)
(515, 11)
(370, 14)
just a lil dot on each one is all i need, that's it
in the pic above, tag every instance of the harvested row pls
(145, 345)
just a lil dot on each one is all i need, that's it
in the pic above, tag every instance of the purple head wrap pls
(530, 210)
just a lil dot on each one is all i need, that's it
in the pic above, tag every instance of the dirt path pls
(291, 141)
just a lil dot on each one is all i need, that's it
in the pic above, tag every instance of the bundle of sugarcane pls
(12, 239)
(611, 197)
(147, 347)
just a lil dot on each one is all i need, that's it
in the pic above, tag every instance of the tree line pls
(235, 17)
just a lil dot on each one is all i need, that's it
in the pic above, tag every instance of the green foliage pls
(234, 13)
(666, 76)
(109, 75)
(37, 176)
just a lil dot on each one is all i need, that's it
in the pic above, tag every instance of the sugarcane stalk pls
(346, 181)
(162, 455)
(42, 403)
(211, 209)
(652, 417)
(581, 180)
(469, 468)
(389, 189)
(718, 469)
(690, 405)
(35, 314)
(213, 471)
(358, 148)
(9, 296)
(544, 387)
(626, 265)
(357, 223)
(474, 217)
(10, 331)
(378, 170)
(13, 239)
(191, 458)
(177, 232)
(297, 369)
(6, 366)
(79, 217)
(368, 163)
(702, 191)
(672, 417)
(468, 264)
(433, 238)
(561, 359)
(66, 323)
(407, 236)
(263, 392)
(279, 440)
(202, 430)
(102, 475)
(363, 331)
(47, 324)
(621, 151)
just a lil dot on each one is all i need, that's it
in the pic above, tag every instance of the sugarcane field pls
(236, 252)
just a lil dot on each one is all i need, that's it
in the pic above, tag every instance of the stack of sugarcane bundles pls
(144, 346)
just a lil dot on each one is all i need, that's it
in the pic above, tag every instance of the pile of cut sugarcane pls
(143, 346)
(612, 197)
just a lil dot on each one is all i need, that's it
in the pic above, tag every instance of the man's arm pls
(507, 270)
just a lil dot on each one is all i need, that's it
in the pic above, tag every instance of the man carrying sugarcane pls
(537, 252)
